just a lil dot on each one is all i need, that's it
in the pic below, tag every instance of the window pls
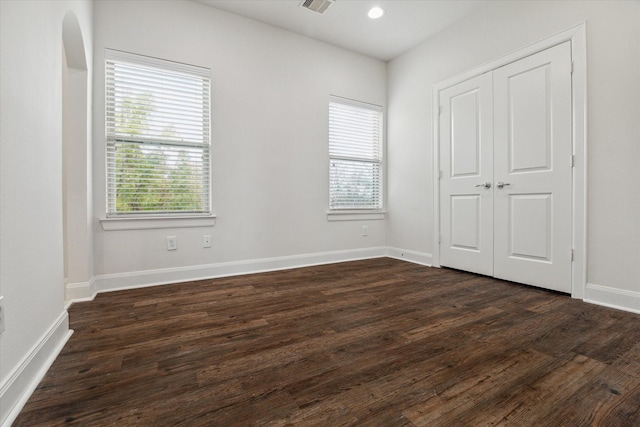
(355, 155)
(158, 136)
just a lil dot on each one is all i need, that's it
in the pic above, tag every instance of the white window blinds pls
(158, 136)
(355, 155)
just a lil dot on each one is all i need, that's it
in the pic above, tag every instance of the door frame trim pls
(577, 36)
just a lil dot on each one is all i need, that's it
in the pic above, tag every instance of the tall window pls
(355, 155)
(158, 136)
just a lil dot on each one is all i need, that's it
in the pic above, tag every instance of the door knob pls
(501, 184)
(484, 184)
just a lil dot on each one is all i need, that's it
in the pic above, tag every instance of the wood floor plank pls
(377, 342)
(463, 391)
(603, 401)
(529, 401)
(448, 323)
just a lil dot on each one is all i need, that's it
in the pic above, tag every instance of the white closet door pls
(466, 162)
(532, 157)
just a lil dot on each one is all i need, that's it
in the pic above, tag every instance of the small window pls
(158, 136)
(355, 155)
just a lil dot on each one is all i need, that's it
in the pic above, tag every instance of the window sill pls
(148, 223)
(355, 215)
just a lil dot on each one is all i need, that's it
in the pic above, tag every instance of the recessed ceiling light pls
(375, 12)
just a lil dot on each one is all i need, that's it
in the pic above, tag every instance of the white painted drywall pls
(77, 155)
(270, 93)
(31, 239)
(613, 53)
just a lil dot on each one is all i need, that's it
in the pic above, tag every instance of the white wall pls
(31, 248)
(613, 52)
(270, 93)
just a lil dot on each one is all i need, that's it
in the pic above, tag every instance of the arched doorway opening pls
(76, 160)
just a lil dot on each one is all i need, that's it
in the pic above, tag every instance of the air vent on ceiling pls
(316, 5)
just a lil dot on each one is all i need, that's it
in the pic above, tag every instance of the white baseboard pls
(80, 291)
(85, 291)
(421, 258)
(24, 379)
(139, 279)
(76, 292)
(611, 297)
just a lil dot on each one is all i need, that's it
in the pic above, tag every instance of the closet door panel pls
(532, 170)
(466, 161)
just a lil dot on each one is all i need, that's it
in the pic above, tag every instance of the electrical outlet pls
(1, 315)
(365, 231)
(206, 241)
(172, 243)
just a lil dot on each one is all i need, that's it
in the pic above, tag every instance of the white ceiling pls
(405, 24)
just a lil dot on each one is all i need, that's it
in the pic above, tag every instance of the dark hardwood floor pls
(370, 343)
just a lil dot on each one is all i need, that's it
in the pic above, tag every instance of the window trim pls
(155, 219)
(340, 214)
(359, 215)
(156, 222)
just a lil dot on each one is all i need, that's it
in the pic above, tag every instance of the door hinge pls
(439, 110)
(572, 255)
(440, 174)
(573, 161)
(440, 238)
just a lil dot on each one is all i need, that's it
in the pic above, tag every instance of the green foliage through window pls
(355, 155)
(157, 137)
